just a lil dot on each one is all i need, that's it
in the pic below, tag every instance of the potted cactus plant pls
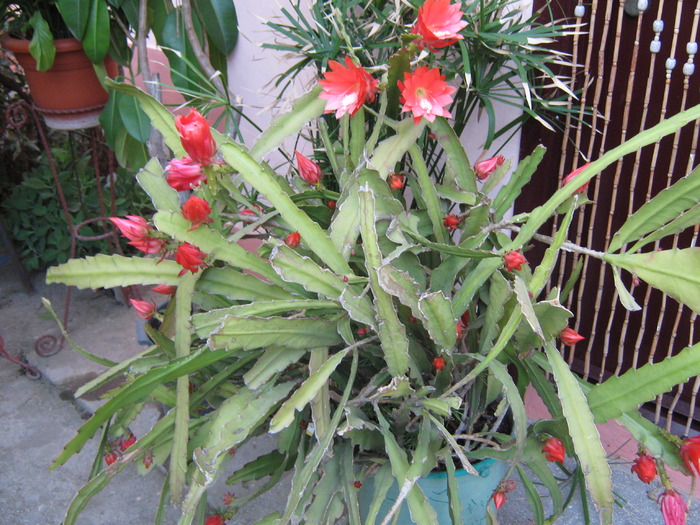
(387, 328)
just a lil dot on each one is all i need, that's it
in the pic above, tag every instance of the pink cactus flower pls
(347, 88)
(426, 94)
(439, 24)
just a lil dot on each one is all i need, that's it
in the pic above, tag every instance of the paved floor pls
(39, 417)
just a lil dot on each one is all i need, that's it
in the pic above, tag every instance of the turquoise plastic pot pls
(475, 494)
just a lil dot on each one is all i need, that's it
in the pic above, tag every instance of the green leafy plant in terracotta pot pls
(385, 333)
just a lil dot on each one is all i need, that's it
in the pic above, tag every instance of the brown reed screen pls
(633, 70)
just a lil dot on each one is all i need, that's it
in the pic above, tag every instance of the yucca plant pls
(378, 335)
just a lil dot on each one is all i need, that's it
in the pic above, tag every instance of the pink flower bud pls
(134, 228)
(164, 289)
(484, 168)
(196, 210)
(144, 309)
(570, 337)
(673, 508)
(149, 245)
(645, 467)
(553, 450)
(308, 169)
(196, 138)
(189, 257)
(573, 174)
(499, 499)
(292, 240)
(514, 260)
(110, 457)
(184, 174)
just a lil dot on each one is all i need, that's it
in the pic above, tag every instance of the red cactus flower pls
(196, 210)
(357, 484)
(690, 453)
(196, 138)
(554, 450)
(134, 228)
(645, 467)
(426, 94)
(292, 240)
(110, 457)
(570, 337)
(126, 443)
(189, 257)
(331, 204)
(144, 309)
(184, 174)
(164, 289)
(439, 24)
(514, 260)
(347, 87)
(397, 181)
(308, 169)
(573, 174)
(216, 519)
(452, 221)
(439, 363)
(361, 332)
(465, 318)
(484, 168)
(673, 508)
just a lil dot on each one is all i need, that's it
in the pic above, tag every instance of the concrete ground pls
(39, 417)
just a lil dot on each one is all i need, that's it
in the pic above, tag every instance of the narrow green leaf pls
(110, 271)
(153, 182)
(625, 393)
(453, 492)
(260, 467)
(666, 206)
(41, 47)
(429, 195)
(314, 237)
(272, 361)
(584, 434)
(160, 117)
(542, 213)
(241, 286)
(110, 120)
(96, 38)
(392, 332)
(389, 151)
(458, 169)
(303, 395)
(75, 14)
(671, 271)
(137, 123)
(685, 220)
(220, 22)
(623, 293)
(533, 496)
(523, 173)
(212, 243)
(305, 109)
(183, 340)
(303, 475)
(251, 333)
(232, 423)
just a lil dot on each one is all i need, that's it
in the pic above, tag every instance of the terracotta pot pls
(69, 95)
